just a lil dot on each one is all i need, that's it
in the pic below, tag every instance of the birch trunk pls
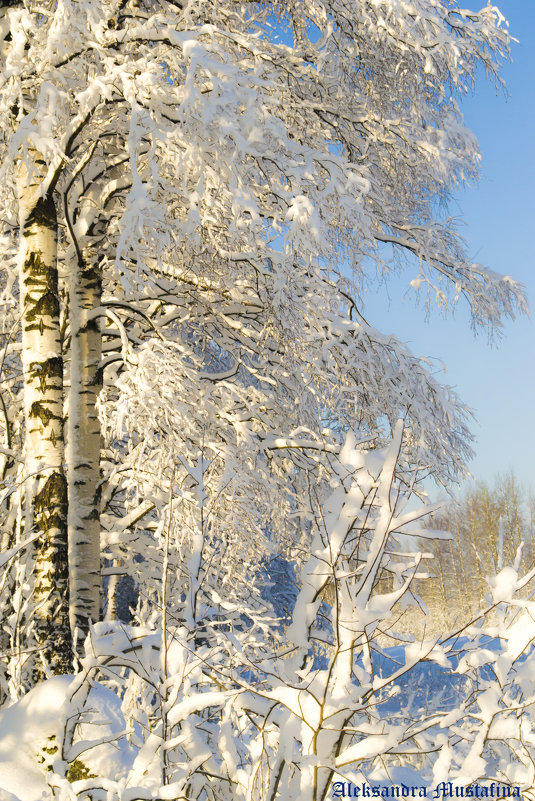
(45, 486)
(83, 434)
(83, 448)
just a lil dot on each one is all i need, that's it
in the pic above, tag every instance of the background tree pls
(488, 526)
(219, 189)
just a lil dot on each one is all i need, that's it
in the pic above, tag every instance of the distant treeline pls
(488, 525)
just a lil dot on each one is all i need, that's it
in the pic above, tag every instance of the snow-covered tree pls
(193, 195)
(316, 711)
(487, 525)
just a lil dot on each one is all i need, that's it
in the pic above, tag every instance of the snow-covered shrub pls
(248, 709)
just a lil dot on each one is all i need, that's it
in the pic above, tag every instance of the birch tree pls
(489, 529)
(221, 180)
(42, 365)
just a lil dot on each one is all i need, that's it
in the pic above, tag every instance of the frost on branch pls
(222, 195)
(240, 708)
(223, 181)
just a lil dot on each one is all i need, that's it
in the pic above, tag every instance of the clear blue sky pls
(499, 225)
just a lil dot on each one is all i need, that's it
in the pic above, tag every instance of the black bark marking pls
(46, 372)
(38, 409)
(52, 575)
(43, 215)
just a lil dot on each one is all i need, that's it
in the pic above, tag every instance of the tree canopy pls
(192, 197)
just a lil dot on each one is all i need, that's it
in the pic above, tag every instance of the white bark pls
(83, 448)
(45, 485)
(83, 425)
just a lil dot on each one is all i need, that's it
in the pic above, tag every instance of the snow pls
(27, 727)
(503, 585)
(414, 699)
(222, 181)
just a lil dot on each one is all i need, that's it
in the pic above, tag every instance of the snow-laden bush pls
(247, 709)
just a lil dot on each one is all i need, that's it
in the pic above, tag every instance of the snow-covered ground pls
(32, 731)
(31, 734)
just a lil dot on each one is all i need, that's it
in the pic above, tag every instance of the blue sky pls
(498, 217)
